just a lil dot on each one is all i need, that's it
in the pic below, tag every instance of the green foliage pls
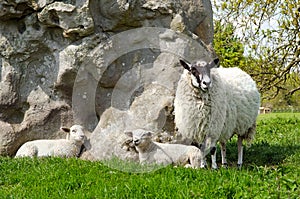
(269, 31)
(284, 99)
(271, 170)
(227, 46)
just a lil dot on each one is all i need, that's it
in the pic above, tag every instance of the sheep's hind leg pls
(240, 152)
(223, 154)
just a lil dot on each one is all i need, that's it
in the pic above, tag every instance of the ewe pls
(213, 104)
(158, 153)
(69, 147)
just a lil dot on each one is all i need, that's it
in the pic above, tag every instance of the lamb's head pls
(200, 72)
(75, 133)
(140, 138)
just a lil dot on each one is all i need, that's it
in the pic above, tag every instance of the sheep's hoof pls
(239, 166)
(225, 166)
(203, 167)
(188, 166)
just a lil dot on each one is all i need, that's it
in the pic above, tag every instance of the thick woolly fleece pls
(230, 106)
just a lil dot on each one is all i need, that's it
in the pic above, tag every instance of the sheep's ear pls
(214, 63)
(65, 129)
(129, 133)
(185, 65)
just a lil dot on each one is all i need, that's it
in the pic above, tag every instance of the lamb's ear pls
(214, 63)
(65, 129)
(185, 65)
(129, 133)
(149, 133)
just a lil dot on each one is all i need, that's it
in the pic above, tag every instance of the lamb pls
(212, 104)
(151, 152)
(69, 147)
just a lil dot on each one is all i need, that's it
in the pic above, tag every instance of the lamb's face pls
(140, 138)
(200, 73)
(76, 132)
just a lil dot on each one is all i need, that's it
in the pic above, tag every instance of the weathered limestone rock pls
(202, 11)
(97, 63)
(73, 19)
(41, 120)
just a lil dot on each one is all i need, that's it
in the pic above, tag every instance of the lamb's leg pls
(223, 154)
(213, 153)
(240, 152)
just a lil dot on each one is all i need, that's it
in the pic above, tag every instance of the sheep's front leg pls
(203, 163)
(240, 152)
(203, 156)
(223, 154)
(209, 145)
(213, 153)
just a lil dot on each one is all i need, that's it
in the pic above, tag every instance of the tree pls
(270, 33)
(228, 47)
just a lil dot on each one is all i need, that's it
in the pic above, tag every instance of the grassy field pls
(279, 115)
(271, 170)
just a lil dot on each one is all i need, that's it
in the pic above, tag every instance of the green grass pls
(271, 170)
(278, 115)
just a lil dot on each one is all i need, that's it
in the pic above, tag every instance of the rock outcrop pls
(97, 63)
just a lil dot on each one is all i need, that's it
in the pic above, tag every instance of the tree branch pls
(291, 92)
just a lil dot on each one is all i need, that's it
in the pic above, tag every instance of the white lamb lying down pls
(151, 152)
(69, 147)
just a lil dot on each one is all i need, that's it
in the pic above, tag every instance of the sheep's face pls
(76, 133)
(140, 137)
(200, 73)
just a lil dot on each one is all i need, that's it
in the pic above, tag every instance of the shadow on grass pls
(261, 154)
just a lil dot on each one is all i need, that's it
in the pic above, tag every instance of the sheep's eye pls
(74, 131)
(194, 71)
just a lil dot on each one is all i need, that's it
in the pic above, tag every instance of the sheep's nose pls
(136, 142)
(206, 83)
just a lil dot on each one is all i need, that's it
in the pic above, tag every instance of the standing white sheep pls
(160, 153)
(69, 147)
(213, 104)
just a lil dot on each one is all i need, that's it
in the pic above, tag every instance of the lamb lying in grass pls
(151, 152)
(69, 147)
